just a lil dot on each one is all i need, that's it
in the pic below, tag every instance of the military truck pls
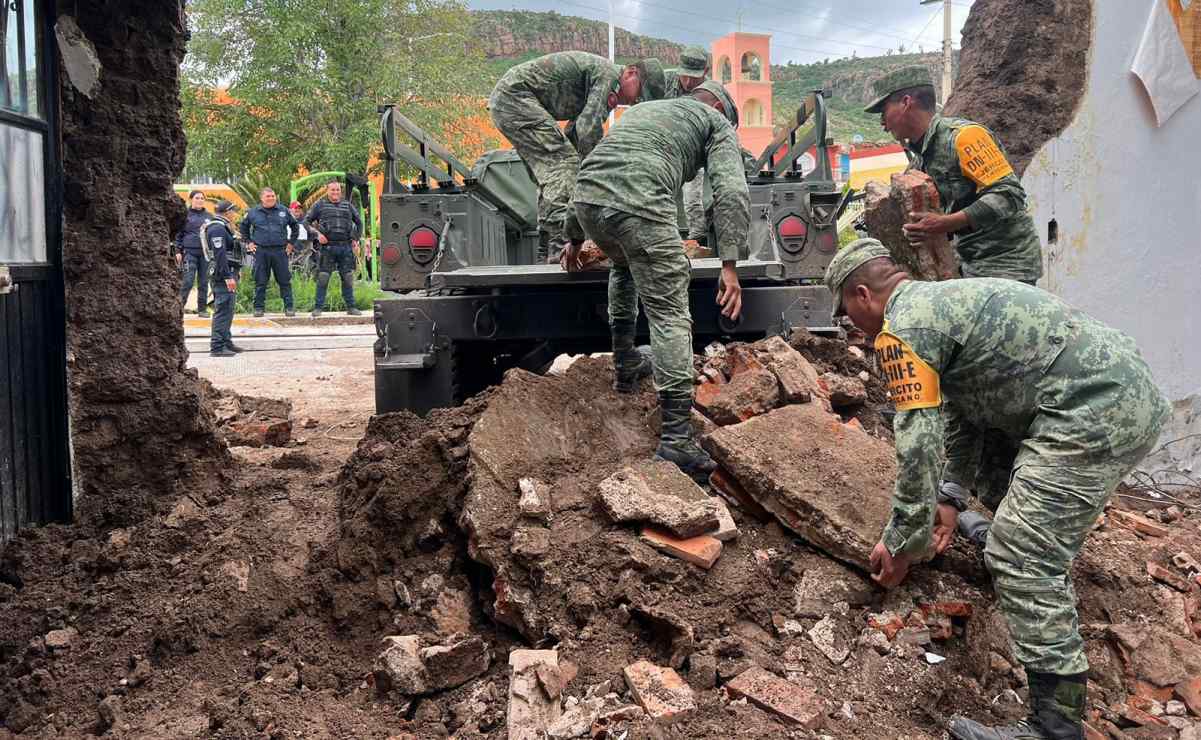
(468, 292)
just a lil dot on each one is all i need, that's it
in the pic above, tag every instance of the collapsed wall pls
(1023, 69)
(139, 423)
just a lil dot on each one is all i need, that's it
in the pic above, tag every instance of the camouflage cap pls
(846, 261)
(899, 79)
(694, 61)
(654, 82)
(717, 90)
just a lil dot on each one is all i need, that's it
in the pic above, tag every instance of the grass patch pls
(304, 294)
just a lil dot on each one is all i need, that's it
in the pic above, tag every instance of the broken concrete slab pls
(828, 482)
(732, 490)
(1156, 655)
(577, 720)
(408, 668)
(792, 702)
(751, 392)
(844, 392)
(826, 636)
(797, 377)
(660, 692)
(726, 528)
(455, 663)
(659, 493)
(702, 551)
(535, 501)
(531, 712)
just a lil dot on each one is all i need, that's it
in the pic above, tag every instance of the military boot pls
(974, 527)
(676, 443)
(629, 364)
(1056, 712)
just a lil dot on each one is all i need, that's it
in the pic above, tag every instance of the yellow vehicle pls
(212, 194)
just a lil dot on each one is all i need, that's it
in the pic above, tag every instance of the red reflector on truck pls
(792, 228)
(390, 254)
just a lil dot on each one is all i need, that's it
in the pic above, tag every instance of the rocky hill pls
(516, 34)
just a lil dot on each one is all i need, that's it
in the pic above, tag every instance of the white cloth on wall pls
(1162, 64)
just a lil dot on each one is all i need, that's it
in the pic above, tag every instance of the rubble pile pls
(737, 608)
(250, 421)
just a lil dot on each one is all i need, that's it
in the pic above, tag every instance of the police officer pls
(226, 263)
(190, 257)
(625, 201)
(337, 226)
(693, 70)
(531, 98)
(984, 204)
(270, 232)
(1074, 394)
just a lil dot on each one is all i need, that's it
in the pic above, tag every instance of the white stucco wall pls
(1127, 199)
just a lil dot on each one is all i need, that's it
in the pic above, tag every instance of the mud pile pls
(1023, 70)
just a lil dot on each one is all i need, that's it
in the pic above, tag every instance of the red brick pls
(1151, 691)
(1091, 733)
(890, 624)
(855, 424)
(793, 703)
(733, 491)
(659, 691)
(957, 609)
(706, 394)
(1138, 523)
(701, 551)
(1189, 692)
(1163, 575)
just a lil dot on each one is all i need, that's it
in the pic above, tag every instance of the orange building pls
(742, 62)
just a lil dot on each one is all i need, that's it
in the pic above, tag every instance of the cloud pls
(802, 30)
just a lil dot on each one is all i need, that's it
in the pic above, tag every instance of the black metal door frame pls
(35, 469)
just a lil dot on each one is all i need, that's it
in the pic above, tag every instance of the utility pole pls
(946, 47)
(611, 44)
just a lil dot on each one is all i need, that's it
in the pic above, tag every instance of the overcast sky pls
(802, 30)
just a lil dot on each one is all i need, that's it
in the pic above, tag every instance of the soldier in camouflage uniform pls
(984, 203)
(985, 211)
(693, 69)
(531, 98)
(625, 201)
(1073, 394)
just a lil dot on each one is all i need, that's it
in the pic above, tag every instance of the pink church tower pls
(742, 62)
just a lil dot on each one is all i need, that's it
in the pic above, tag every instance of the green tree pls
(273, 86)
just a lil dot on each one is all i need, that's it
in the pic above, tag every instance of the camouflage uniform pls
(694, 62)
(625, 202)
(1074, 397)
(529, 101)
(969, 167)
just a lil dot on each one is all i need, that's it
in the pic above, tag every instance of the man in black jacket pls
(337, 225)
(189, 256)
(219, 241)
(270, 232)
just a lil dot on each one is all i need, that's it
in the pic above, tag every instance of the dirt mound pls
(1023, 70)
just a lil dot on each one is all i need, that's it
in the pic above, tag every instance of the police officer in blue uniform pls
(270, 232)
(337, 226)
(189, 256)
(225, 260)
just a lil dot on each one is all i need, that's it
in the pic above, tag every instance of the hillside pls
(511, 37)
